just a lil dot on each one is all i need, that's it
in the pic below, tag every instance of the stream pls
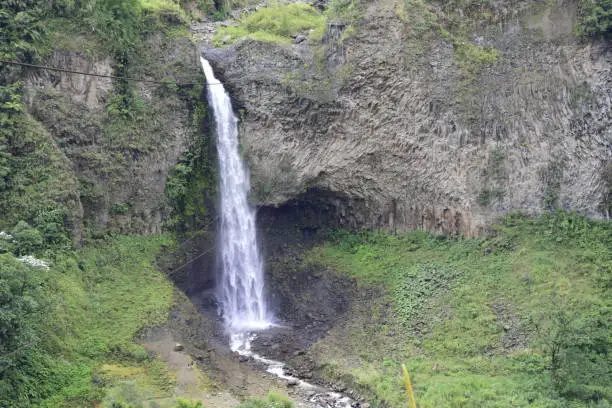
(320, 397)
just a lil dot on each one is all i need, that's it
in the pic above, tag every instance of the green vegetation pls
(72, 328)
(274, 400)
(520, 318)
(37, 183)
(347, 11)
(69, 320)
(191, 185)
(595, 18)
(37, 186)
(130, 395)
(471, 58)
(276, 23)
(279, 23)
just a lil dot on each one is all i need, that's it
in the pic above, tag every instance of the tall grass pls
(98, 300)
(276, 23)
(514, 319)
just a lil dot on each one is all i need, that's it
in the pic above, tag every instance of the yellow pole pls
(411, 400)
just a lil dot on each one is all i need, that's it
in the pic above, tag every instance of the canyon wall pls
(385, 124)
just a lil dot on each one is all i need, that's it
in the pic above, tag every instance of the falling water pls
(242, 282)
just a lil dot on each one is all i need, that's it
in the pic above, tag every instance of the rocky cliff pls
(119, 161)
(392, 122)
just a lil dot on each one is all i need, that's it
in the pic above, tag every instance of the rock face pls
(120, 160)
(389, 129)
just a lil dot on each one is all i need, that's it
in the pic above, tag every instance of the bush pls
(28, 240)
(21, 306)
(595, 19)
(115, 21)
(126, 395)
(578, 346)
(183, 403)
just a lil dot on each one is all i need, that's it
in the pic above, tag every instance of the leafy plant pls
(184, 403)
(22, 304)
(595, 18)
(578, 347)
(28, 240)
(191, 184)
(473, 318)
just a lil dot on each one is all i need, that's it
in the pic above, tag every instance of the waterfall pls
(241, 288)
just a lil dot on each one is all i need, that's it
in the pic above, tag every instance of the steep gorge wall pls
(119, 163)
(386, 128)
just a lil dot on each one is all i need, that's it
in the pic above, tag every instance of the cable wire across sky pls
(151, 81)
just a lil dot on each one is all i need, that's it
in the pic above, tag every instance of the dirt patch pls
(204, 368)
(514, 337)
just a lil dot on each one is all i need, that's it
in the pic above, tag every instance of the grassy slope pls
(276, 23)
(476, 320)
(101, 299)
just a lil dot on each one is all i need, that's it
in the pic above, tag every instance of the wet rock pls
(178, 347)
(300, 39)
(292, 383)
(243, 359)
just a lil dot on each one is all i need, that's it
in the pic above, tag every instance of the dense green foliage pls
(191, 186)
(276, 23)
(22, 303)
(37, 181)
(67, 334)
(58, 327)
(521, 318)
(595, 18)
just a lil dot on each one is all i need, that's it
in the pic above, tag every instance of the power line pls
(172, 272)
(23, 64)
(204, 228)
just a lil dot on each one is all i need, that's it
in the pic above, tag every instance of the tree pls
(21, 302)
(595, 18)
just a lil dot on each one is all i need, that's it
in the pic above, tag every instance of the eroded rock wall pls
(121, 160)
(388, 129)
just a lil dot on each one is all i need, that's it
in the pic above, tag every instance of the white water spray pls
(242, 282)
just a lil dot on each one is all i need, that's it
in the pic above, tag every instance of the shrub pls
(21, 305)
(577, 345)
(183, 403)
(28, 240)
(595, 18)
